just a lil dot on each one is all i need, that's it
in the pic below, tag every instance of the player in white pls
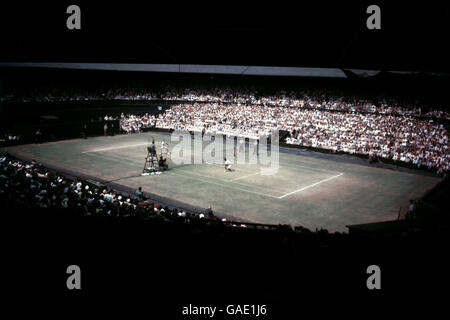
(164, 147)
(241, 145)
(255, 147)
(227, 164)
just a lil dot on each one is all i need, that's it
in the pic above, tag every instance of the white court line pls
(201, 175)
(247, 175)
(234, 168)
(188, 173)
(224, 185)
(311, 168)
(215, 164)
(225, 180)
(311, 185)
(114, 148)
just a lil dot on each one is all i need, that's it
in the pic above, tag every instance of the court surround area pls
(307, 191)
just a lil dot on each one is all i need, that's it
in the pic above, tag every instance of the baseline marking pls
(190, 175)
(311, 168)
(311, 185)
(114, 148)
(223, 185)
(224, 180)
(247, 175)
(234, 168)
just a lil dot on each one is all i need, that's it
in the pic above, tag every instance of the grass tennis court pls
(310, 191)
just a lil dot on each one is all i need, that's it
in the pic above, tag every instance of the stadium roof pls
(213, 69)
(187, 68)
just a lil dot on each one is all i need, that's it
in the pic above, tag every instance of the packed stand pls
(29, 185)
(303, 98)
(421, 142)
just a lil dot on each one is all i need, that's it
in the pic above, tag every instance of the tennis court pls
(306, 190)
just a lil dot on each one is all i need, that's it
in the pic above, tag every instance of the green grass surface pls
(308, 191)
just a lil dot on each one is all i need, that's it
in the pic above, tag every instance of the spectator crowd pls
(325, 119)
(301, 98)
(421, 142)
(30, 185)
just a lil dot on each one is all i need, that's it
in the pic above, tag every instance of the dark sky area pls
(413, 35)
